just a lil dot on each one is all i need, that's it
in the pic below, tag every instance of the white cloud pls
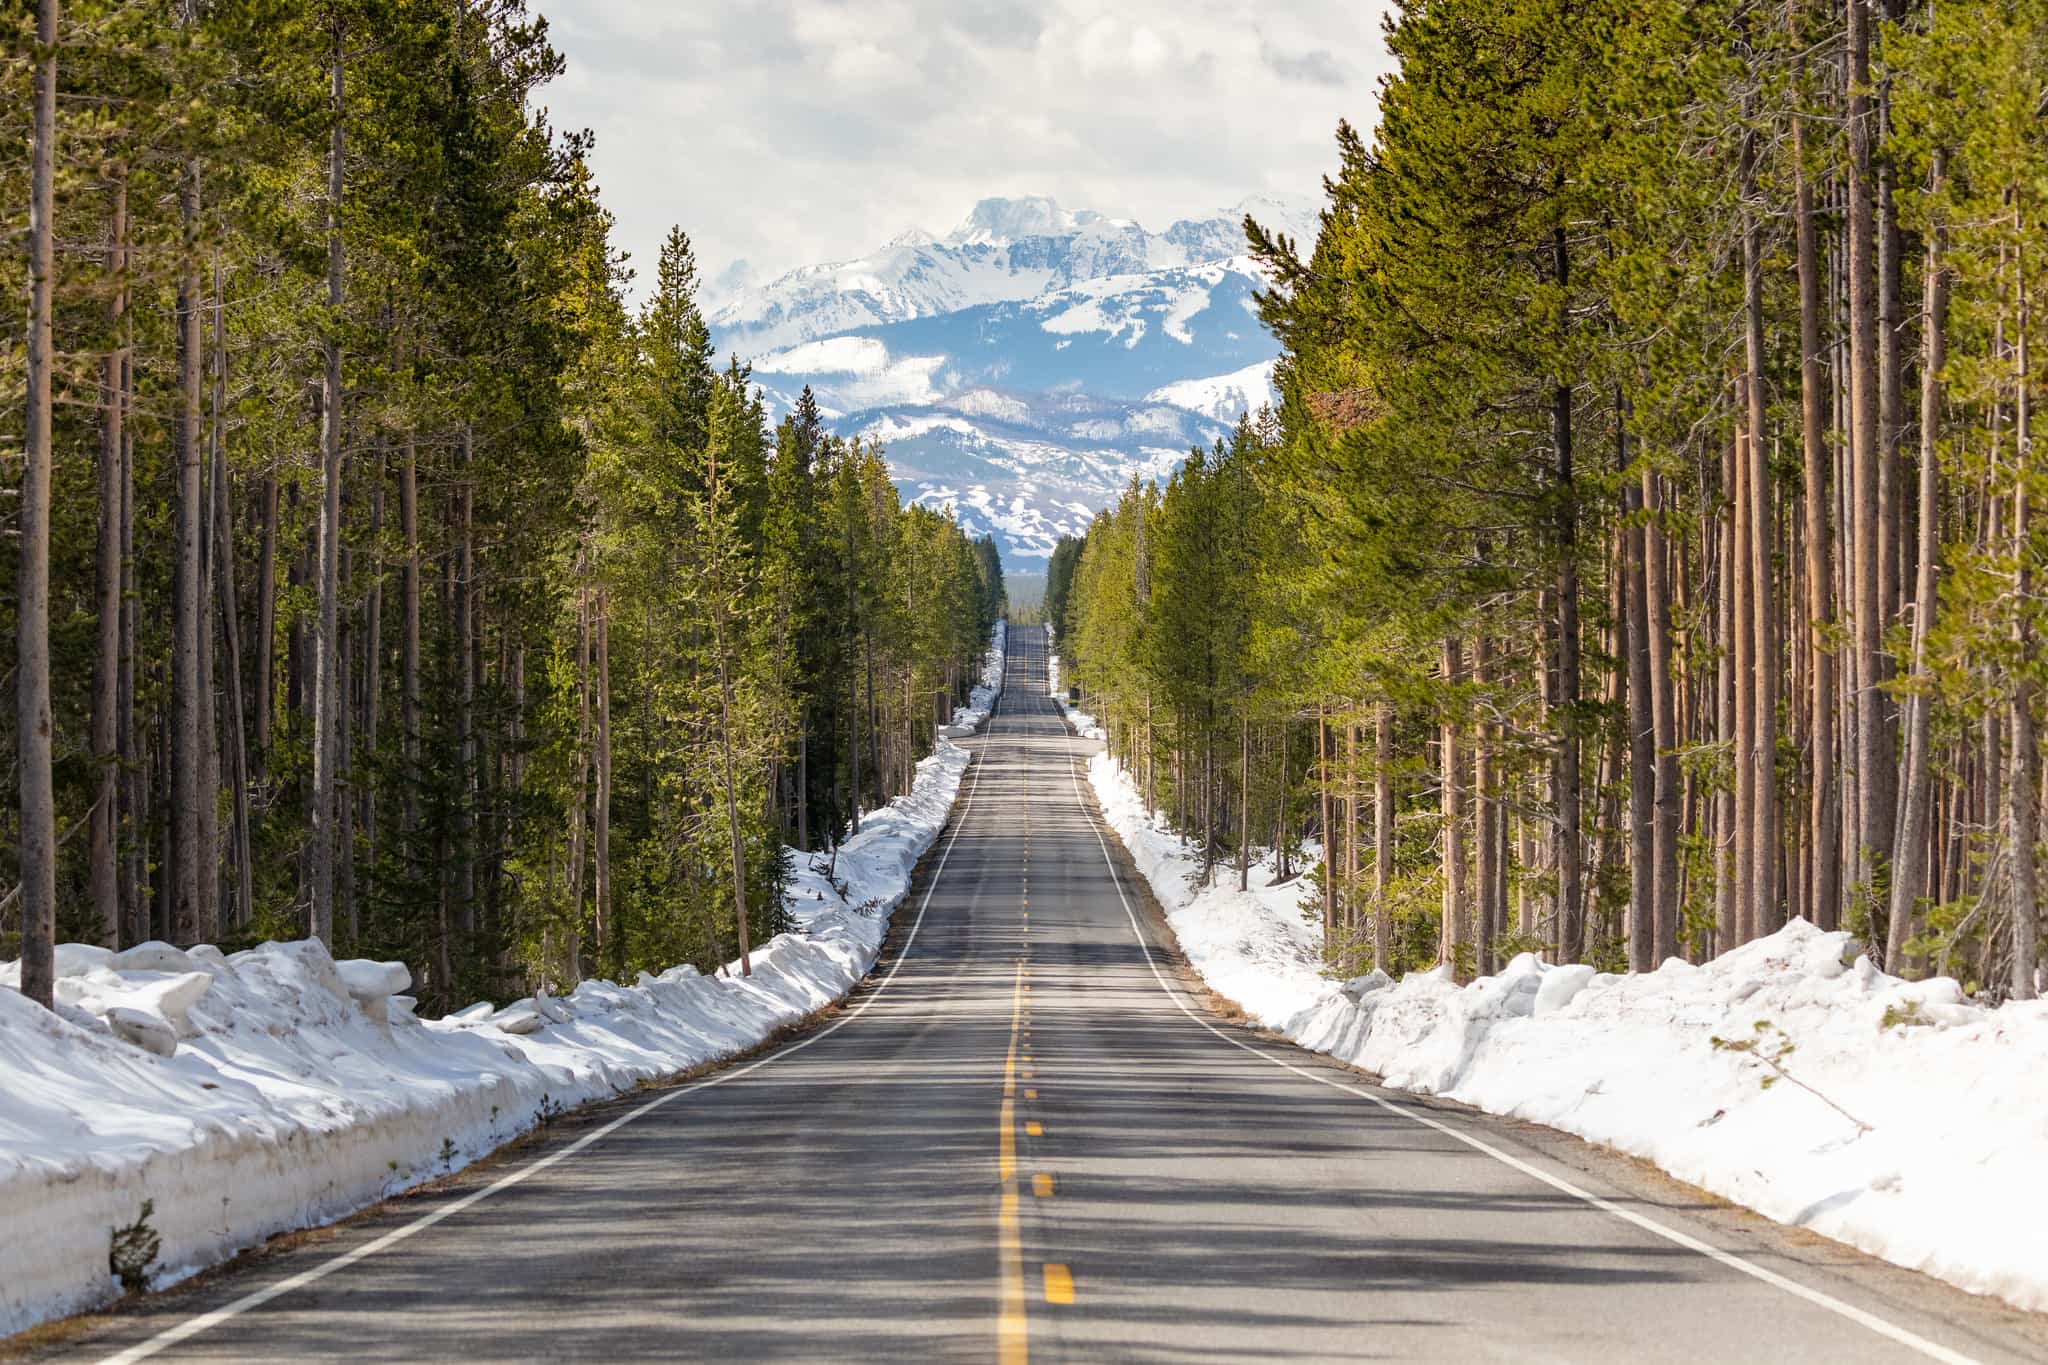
(788, 132)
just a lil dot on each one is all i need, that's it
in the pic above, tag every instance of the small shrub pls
(133, 1250)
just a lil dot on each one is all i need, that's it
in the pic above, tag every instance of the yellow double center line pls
(1011, 1348)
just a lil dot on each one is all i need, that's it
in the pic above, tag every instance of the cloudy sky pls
(787, 132)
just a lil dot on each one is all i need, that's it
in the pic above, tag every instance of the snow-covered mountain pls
(1025, 366)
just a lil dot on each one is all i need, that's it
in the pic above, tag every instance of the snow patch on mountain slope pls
(866, 374)
(988, 403)
(1223, 397)
(1007, 250)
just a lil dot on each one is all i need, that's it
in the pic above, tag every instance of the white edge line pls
(204, 1322)
(1891, 1331)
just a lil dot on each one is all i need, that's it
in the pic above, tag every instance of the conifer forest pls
(1647, 545)
(376, 572)
(1103, 680)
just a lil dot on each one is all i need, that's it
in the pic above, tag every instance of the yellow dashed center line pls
(1059, 1284)
(1034, 1129)
(1041, 1185)
(1011, 1342)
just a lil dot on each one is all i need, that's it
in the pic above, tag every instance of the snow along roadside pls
(300, 1090)
(1944, 1180)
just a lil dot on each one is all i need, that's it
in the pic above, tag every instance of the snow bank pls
(982, 700)
(252, 1093)
(1907, 1121)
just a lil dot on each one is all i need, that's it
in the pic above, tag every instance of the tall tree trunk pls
(1909, 858)
(1456, 926)
(2026, 748)
(1667, 813)
(409, 647)
(134, 745)
(601, 834)
(1824, 821)
(1891, 388)
(579, 812)
(1730, 722)
(104, 837)
(1244, 802)
(1642, 749)
(465, 688)
(188, 705)
(1490, 867)
(1874, 775)
(265, 667)
(373, 655)
(1765, 914)
(32, 622)
(1748, 726)
(1571, 924)
(1324, 832)
(1382, 832)
(326, 696)
(208, 878)
(231, 630)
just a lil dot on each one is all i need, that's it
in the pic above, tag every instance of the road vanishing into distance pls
(1028, 1137)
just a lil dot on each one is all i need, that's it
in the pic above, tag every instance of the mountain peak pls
(1006, 220)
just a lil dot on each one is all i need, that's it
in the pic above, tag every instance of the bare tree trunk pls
(1642, 750)
(1490, 867)
(579, 813)
(1765, 913)
(1823, 826)
(1456, 928)
(409, 648)
(465, 689)
(2026, 749)
(1327, 834)
(231, 629)
(803, 783)
(103, 849)
(1244, 802)
(187, 703)
(134, 757)
(1729, 722)
(266, 625)
(32, 627)
(1571, 924)
(602, 832)
(719, 604)
(344, 761)
(1748, 725)
(1383, 832)
(373, 654)
(326, 696)
(1874, 775)
(208, 871)
(1909, 858)
(1667, 813)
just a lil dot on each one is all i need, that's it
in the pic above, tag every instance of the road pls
(1026, 1137)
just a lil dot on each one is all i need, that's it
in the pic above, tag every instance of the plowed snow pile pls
(297, 1089)
(1906, 1120)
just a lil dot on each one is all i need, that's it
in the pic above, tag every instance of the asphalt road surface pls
(1027, 1137)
